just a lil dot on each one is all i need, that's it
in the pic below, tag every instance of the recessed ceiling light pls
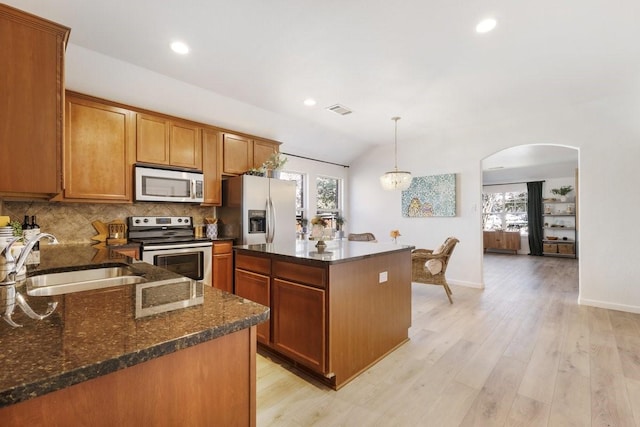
(179, 47)
(486, 25)
(309, 102)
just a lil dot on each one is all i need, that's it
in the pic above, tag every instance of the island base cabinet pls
(255, 287)
(212, 383)
(299, 319)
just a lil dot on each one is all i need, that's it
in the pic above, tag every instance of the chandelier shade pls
(395, 179)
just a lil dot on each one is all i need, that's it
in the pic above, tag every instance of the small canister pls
(212, 231)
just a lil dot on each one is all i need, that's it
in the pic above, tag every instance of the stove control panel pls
(160, 221)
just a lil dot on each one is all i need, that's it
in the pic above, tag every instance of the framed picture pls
(433, 195)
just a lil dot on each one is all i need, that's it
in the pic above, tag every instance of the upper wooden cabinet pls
(168, 142)
(237, 154)
(240, 153)
(211, 167)
(32, 88)
(262, 150)
(99, 150)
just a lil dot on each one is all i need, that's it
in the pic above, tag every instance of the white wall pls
(312, 169)
(609, 152)
(609, 270)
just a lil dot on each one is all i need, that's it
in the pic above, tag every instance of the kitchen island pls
(114, 357)
(333, 313)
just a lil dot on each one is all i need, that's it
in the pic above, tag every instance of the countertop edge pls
(244, 248)
(25, 392)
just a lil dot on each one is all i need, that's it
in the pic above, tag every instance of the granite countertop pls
(337, 251)
(94, 333)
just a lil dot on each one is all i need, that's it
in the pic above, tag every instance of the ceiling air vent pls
(340, 109)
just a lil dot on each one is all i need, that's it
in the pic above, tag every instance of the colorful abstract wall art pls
(433, 195)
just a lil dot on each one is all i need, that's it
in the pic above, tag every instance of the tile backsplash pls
(72, 222)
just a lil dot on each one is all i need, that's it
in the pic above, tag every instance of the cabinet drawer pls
(306, 274)
(222, 247)
(253, 263)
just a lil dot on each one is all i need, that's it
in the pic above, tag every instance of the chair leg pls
(447, 289)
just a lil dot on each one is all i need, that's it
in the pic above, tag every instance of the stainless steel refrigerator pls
(257, 210)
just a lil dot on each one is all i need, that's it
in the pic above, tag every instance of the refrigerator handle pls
(271, 221)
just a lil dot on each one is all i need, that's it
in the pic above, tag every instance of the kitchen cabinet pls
(163, 141)
(255, 286)
(237, 154)
(211, 383)
(211, 167)
(32, 107)
(222, 265)
(502, 240)
(262, 150)
(299, 323)
(331, 318)
(99, 151)
(241, 153)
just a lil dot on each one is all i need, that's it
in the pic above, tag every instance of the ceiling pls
(418, 59)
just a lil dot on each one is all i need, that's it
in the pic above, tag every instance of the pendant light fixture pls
(395, 179)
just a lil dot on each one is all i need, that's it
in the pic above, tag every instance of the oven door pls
(189, 259)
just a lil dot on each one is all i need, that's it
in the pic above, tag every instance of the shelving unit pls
(560, 232)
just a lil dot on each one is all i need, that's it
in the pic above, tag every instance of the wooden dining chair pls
(361, 237)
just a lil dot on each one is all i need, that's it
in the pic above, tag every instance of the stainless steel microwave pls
(168, 185)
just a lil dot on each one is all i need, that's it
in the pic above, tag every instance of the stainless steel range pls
(170, 242)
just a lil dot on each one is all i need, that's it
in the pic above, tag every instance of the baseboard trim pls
(609, 305)
(467, 284)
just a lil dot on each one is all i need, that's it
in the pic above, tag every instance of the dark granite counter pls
(337, 251)
(93, 333)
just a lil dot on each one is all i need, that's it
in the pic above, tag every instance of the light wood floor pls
(522, 352)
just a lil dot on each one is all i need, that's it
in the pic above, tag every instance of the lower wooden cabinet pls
(330, 319)
(222, 266)
(502, 240)
(255, 287)
(299, 319)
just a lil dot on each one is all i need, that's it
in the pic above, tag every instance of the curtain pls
(534, 213)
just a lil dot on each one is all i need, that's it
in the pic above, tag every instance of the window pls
(299, 179)
(505, 211)
(328, 191)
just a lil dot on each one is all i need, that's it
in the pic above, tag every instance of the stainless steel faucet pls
(12, 266)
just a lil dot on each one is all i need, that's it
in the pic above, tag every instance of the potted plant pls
(273, 165)
(562, 192)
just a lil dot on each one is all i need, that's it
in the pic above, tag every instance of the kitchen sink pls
(82, 280)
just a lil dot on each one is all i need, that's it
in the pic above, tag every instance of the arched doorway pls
(504, 177)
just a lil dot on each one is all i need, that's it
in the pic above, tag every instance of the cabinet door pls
(262, 150)
(237, 154)
(31, 106)
(211, 167)
(152, 139)
(255, 287)
(99, 151)
(512, 241)
(185, 145)
(299, 320)
(223, 266)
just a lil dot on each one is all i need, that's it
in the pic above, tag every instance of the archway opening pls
(505, 209)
